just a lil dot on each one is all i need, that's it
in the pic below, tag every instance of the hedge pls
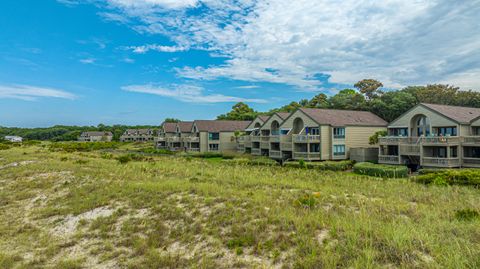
(253, 161)
(82, 146)
(469, 177)
(380, 170)
(326, 165)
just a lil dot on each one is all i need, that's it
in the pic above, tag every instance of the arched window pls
(275, 128)
(297, 125)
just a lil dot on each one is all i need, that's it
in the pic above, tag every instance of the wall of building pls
(358, 136)
(435, 118)
(307, 121)
(227, 142)
(325, 142)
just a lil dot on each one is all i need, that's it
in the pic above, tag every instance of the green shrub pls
(262, 161)
(380, 170)
(466, 214)
(124, 159)
(4, 146)
(306, 201)
(82, 146)
(326, 165)
(157, 151)
(31, 143)
(451, 177)
(425, 171)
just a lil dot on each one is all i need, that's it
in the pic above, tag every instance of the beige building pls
(201, 135)
(95, 136)
(138, 135)
(315, 134)
(431, 135)
(245, 144)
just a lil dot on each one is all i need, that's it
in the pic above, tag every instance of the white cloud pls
(146, 48)
(31, 93)
(188, 93)
(400, 42)
(88, 60)
(248, 87)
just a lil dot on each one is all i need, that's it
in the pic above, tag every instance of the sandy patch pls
(15, 164)
(69, 224)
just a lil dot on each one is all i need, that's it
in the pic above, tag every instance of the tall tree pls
(240, 111)
(347, 99)
(369, 88)
(319, 101)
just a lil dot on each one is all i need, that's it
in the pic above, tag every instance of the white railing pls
(274, 138)
(388, 159)
(410, 149)
(471, 139)
(256, 152)
(173, 139)
(275, 154)
(441, 162)
(306, 138)
(255, 138)
(286, 146)
(440, 140)
(307, 155)
(265, 138)
(471, 161)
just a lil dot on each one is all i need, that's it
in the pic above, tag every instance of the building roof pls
(459, 114)
(97, 134)
(336, 117)
(185, 126)
(283, 115)
(264, 118)
(221, 125)
(169, 127)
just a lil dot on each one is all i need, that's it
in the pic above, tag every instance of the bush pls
(253, 161)
(157, 151)
(451, 177)
(124, 159)
(466, 214)
(82, 146)
(326, 165)
(4, 146)
(380, 170)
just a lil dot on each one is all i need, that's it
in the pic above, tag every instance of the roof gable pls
(279, 116)
(459, 114)
(185, 126)
(259, 119)
(169, 127)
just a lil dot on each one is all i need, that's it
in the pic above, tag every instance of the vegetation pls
(373, 140)
(450, 177)
(164, 212)
(84, 146)
(327, 165)
(381, 170)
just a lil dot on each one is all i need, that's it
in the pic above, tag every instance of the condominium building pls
(138, 135)
(314, 134)
(95, 136)
(244, 142)
(431, 135)
(201, 135)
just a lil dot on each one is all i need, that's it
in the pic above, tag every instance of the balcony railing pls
(265, 145)
(389, 159)
(274, 138)
(286, 146)
(248, 144)
(410, 149)
(471, 140)
(471, 162)
(306, 138)
(397, 140)
(255, 138)
(441, 162)
(435, 140)
(440, 140)
(306, 156)
(256, 152)
(192, 139)
(173, 139)
(275, 154)
(240, 146)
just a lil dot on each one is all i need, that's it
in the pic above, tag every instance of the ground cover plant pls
(381, 170)
(450, 177)
(76, 209)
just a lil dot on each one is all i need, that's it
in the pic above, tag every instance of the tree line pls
(369, 96)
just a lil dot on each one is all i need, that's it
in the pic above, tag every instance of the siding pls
(268, 123)
(288, 123)
(436, 119)
(203, 141)
(227, 142)
(464, 130)
(255, 121)
(357, 137)
(326, 142)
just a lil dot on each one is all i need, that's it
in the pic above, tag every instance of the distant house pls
(137, 135)
(15, 139)
(95, 136)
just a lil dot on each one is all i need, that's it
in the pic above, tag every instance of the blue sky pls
(138, 62)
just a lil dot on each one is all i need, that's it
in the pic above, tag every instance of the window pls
(284, 131)
(398, 131)
(213, 147)
(213, 136)
(314, 147)
(338, 150)
(338, 133)
(447, 131)
(312, 130)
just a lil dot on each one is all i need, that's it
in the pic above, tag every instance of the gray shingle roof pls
(264, 118)
(457, 113)
(169, 127)
(185, 126)
(283, 115)
(137, 131)
(97, 134)
(336, 117)
(221, 125)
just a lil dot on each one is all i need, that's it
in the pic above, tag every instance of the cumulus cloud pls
(187, 93)
(146, 48)
(32, 93)
(88, 61)
(400, 42)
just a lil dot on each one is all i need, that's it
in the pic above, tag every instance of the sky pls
(134, 62)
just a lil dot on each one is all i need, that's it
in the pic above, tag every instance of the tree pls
(286, 108)
(171, 120)
(240, 111)
(319, 101)
(392, 104)
(373, 140)
(347, 99)
(369, 88)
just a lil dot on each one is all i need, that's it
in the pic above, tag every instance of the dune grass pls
(83, 210)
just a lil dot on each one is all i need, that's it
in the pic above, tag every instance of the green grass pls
(170, 212)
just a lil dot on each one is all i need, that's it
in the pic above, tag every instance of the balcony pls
(159, 138)
(275, 138)
(441, 140)
(306, 138)
(308, 156)
(173, 139)
(388, 159)
(248, 144)
(257, 152)
(441, 162)
(240, 146)
(395, 140)
(286, 146)
(192, 139)
(471, 162)
(255, 138)
(471, 140)
(276, 154)
(264, 145)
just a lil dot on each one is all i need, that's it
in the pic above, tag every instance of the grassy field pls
(87, 210)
